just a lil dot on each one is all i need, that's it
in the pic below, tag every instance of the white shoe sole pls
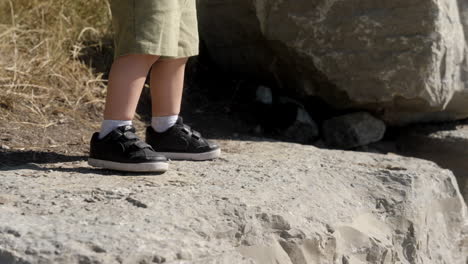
(192, 156)
(133, 167)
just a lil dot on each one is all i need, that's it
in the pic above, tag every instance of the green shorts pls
(167, 28)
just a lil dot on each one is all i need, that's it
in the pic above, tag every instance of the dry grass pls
(47, 48)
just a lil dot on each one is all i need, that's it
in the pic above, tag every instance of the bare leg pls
(167, 83)
(126, 81)
(123, 150)
(179, 142)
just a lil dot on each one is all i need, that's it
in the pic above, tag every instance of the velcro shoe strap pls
(115, 135)
(196, 134)
(142, 145)
(187, 130)
(130, 135)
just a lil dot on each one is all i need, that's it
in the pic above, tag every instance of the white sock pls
(162, 123)
(108, 125)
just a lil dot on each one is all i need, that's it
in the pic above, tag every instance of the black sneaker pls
(122, 150)
(180, 142)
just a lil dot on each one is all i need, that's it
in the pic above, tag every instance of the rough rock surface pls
(406, 60)
(263, 202)
(353, 130)
(445, 145)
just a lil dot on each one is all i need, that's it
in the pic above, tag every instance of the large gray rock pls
(447, 145)
(263, 202)
(463, 5)
(353, 130)
(405, 60)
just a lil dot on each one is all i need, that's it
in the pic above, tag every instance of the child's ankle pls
(161, 124)
(108, 125)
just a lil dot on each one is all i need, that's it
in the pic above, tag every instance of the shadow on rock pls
(32, 160)
(10, 160)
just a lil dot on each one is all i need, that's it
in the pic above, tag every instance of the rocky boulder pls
(447, 145)
(263, 202)
(404, 60)
(353, 130)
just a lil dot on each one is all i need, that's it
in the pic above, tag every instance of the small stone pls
(353, 130)
(264, 95)
(303, 130)
(184, 255)
(159, 259)
(89, 200)
(98, 248)
(30, 251)
(136, 202)
(294, 122)
(3, 146)
(304, 117)
(12, 232)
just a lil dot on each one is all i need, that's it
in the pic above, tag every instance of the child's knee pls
(147, 59)
(182, 60)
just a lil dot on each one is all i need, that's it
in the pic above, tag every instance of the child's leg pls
(167, 82)
(126, 80)
(117, 146)
(167, 134)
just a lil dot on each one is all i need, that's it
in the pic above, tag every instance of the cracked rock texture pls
(447, 145)
(404, 60)
(263, 202)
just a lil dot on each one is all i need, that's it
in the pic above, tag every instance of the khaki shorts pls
(167, 28)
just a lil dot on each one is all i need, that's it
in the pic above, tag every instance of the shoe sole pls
(192, 156)
(132, 167)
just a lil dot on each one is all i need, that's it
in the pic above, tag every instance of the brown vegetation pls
(54, 57)
(48, 70)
